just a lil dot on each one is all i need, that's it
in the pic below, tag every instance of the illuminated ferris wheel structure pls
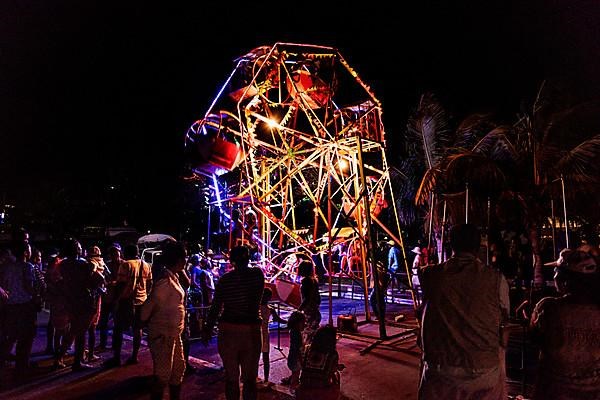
(303, 137)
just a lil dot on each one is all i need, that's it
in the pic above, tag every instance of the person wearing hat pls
(416, 266)
(567, 330)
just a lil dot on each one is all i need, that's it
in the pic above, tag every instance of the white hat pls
(416, 250)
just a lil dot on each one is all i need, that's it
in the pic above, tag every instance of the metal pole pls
(467, 203)
(208, 230)
(230, 244)
(553, 224)
(430, 222)
(487, 247)
(329, 260)
(368, 241)
(442, 257)
(562, 183)
(278, 327)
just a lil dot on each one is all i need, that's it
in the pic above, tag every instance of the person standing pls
(94, 256)
(206, 280)
(394, 257)
(415, 269)
(567, 331)
(134, 281)
(384, 278)
(80, 289)
(311, 298)
(294, 360)
(58, 322)
(186, 282)
(267, 312)
(394, 261)
(195, 295)
(416, 265)
(236, 305)
(465, 306)
(164, 313)
(108, 302)
(19, 314)
(39, 282)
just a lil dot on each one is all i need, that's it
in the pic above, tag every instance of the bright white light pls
(343, 165)
(272, 123)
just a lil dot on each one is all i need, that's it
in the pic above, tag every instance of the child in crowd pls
(296, 324)
(267, 312)
(320, 378)
(311, 298)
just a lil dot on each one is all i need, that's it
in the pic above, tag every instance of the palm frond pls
(429, 184)
(496, 145)
(471, 129)
(428, 127)
(481, 173)
(581, 164)
(566, 123)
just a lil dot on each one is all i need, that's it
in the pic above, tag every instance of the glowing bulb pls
(343, 164)
(272, 123)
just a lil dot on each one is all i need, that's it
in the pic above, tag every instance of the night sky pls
(94, 95)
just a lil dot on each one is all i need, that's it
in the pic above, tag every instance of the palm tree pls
(441, 162)
(519, 164)
(427, 141)
(556, 142)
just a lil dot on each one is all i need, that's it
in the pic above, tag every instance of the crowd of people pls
(463, 311)
(86, 294)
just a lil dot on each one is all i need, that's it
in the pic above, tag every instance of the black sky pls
(103, 93)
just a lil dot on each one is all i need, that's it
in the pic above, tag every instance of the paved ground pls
(374, 369)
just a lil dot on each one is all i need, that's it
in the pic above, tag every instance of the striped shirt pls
(237, 297)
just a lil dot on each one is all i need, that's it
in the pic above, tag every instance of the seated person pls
(319, 376)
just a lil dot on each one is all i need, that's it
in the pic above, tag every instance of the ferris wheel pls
(299, 138)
